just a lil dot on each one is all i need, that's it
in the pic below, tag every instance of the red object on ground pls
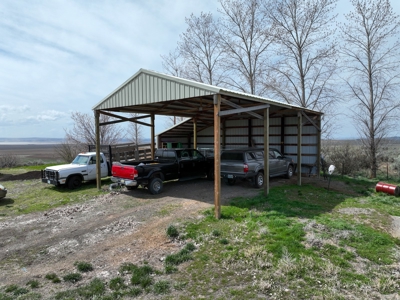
(388, 188)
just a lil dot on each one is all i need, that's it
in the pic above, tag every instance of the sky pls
(59, 56)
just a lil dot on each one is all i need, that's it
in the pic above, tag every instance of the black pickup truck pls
(168, 164)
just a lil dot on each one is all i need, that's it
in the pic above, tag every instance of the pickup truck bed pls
(169, 164)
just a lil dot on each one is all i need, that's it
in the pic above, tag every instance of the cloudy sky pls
(59, 56)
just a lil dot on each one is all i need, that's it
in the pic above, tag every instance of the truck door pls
(199, 163)
(273, 163)
(280, 162)
(170, 167)
(92, 168)
(185, 164)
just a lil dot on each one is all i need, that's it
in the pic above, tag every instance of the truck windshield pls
(81, 160)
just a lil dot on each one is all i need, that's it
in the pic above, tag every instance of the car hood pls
(64, 167)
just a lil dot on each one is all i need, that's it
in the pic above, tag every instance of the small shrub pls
(83, 266)
(34, 284)
(216, 232)
(53, 277)
(170, 269)
(161, 287)
(9, 161)
(178, 258)
(141, 275)
(21, 291)
(224, 241)
(5, 297)
(146, 281)
(190, 247)
(134, 292)
(172, 231)
(72, 277)
(117, 283)
(11, 288)
(128, 268)
(28, 296)
(95, 288)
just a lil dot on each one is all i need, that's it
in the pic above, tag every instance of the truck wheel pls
(231, 181)
(74, 182)
(289, 172)
(259, 180)
(155, 186)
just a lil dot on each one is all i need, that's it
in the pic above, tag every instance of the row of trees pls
(296, 52)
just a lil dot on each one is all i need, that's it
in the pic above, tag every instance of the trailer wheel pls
(155, 186)
(74, 182)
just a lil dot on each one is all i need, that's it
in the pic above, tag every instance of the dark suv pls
(249, 164)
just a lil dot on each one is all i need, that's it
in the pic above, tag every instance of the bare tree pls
(135, 130)
(173, 120)
(305, 52)
(243, 31)
(200, 48)
(198, 54)
(68, 151)
(370, 49)
(173, 63)
(83, 132)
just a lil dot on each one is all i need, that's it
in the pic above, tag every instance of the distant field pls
(30, 152)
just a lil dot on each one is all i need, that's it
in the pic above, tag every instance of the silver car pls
(248, 164)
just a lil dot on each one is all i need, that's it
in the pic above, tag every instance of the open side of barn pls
(218, 119)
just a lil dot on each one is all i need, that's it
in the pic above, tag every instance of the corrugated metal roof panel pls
(149, 87)
(146, 87)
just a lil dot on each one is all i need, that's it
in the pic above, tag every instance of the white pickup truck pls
(82, 168)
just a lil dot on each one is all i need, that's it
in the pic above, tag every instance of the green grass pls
(72, 277)
(82, 266)
(267, 243)
(300, 242)
(35, 196)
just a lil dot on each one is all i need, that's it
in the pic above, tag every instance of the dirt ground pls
(117, 227)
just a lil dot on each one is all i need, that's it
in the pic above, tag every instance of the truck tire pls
(155, 186)
(74, 182)
(289, 172)
(259, 180)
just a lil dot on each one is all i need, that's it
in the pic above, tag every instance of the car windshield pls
(81, 160)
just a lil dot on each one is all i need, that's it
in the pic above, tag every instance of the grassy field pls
(300, 242)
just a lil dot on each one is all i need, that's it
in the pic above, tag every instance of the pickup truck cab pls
(82, 168)
(168, 164)
(248, 164)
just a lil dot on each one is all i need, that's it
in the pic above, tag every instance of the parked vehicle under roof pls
(248, 164)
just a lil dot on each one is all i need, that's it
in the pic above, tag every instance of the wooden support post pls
(217, 156)
(152, 145)
(318, 147)
(266, 152)
(299, 133)
(97, 129)
(195, 133)
(223, 133)
(249, 133)
(283, 135)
